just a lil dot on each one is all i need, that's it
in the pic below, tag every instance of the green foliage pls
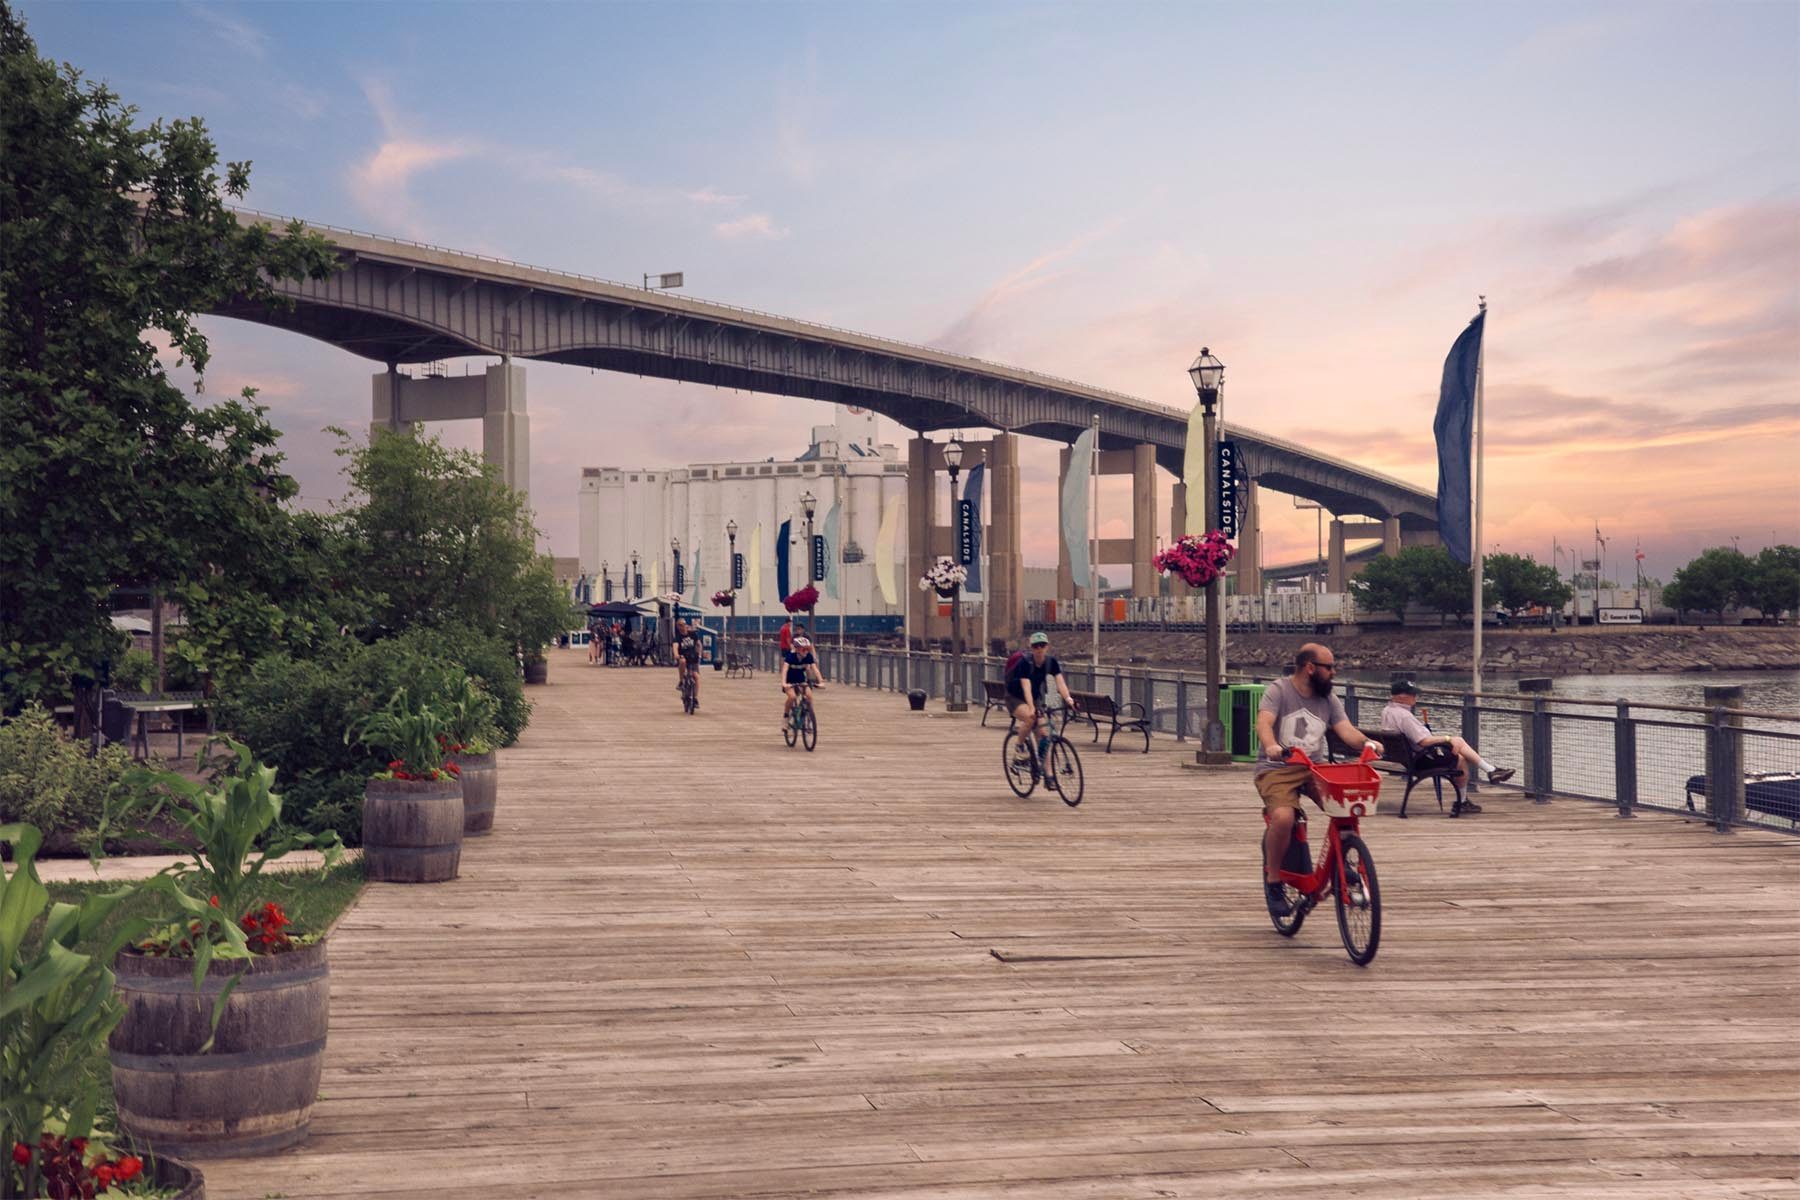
(109, 475)
(56, 997)
(1774, 581)
(1520, 581)
(447, 545)
(493, 665)
(408, 728)
(1385, 585)
(135, 671)
(469, 718)
(50, 782)
(1717, 580)
(224, 821)
(1424, 575)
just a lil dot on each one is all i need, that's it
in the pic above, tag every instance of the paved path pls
(692, 962)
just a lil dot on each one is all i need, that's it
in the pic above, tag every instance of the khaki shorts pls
(1285, 786)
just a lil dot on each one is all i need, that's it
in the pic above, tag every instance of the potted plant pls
(944, 577)
(1196, 561)
(537, 667)
(803, 600)
(230, 1065)
(469, 738)
(724, 598)
(412, 810)
(59, 1005)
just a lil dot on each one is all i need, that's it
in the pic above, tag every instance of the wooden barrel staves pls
(253, 1092)
(537, 671)
(480, 782)
(412, 830)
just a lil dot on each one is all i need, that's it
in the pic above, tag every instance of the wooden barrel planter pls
(253, 1092)
(537, 671)
(412, 830)
(173, 1173)
(480, 781)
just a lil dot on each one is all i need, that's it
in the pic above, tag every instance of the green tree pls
(1773, 586)
(1385, 585)
(1715, 581)
(109, 475)
(1520, 581)
(1424, 575)
(445, 543)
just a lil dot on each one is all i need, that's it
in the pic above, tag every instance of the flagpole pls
(1094, 541)
(1475, 548)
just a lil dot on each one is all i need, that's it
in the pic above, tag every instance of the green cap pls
(1040, 638)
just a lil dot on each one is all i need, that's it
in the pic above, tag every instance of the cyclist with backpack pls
(1028, 676)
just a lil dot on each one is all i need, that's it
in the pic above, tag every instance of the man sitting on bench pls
(1398, 717)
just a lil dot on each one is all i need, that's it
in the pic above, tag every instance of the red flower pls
(397, 764)
(453, 768)
(128, 1168)
(21, 1153)
(214, 902)
(103, 1175)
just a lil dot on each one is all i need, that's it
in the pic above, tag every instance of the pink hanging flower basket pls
(802, 600)
(1197, 561)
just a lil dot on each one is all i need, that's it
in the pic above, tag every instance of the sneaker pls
(1465, 806)
(1499, 775)
(1276, 896)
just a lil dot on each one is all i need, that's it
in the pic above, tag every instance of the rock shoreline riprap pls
(1566, 652)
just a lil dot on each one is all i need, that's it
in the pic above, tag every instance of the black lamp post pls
(957, 700)
(605, 583)
(731, 574)
(675, 582)
(634, 587)
(809, 503)
(1208, 374)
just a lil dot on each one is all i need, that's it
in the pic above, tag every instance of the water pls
(1764, 691)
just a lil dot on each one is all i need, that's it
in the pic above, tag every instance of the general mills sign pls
(1227, 474)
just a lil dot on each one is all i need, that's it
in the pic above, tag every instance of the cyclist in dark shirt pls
(687, 656)
(1028, 682)
(802, 666)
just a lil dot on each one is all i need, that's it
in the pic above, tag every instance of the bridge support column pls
(920, 517)
(1006, 560)
(1178, 526)
(1335, 579)
(1390, 536)
(496, 398)
(1143, 519)
(1249, 555)
(1067, 587)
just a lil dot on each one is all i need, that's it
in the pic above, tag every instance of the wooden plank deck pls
(692, 962)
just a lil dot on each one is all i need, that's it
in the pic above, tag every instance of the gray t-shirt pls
(1299, 721)
(1398, 718)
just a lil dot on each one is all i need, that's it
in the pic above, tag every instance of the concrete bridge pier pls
(1387, 529)
(927, 539)
(496, 398)
(1139, 549)
(1249, 555)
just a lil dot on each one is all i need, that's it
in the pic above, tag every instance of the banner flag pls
(753, 570)
(1454, 428)
(656, 578)
(1075, 506)
(833, 549)
(1195, 470)
(972, 497)
(782, 591)
(887, 543)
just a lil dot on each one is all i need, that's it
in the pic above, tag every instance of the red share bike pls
(1347, 793)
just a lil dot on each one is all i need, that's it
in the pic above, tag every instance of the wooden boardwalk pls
(692, 962)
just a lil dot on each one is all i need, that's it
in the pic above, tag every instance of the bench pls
(994, 697)
(1096, 707)
(739, 664)
(1772, 793)
(1434, 763)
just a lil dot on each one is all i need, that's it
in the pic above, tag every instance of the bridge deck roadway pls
(691, 962)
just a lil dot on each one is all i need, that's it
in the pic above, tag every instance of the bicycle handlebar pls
(1297, 757)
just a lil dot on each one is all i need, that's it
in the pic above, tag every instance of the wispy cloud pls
(381, 182)
(968, 333)
(753, 225)
(236, 32)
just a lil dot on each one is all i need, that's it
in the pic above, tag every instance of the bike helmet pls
(801, 643)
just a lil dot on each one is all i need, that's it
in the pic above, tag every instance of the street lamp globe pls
(953, 452)
(807, 502)
(731, 528)
(675, 544)
(1208, 373)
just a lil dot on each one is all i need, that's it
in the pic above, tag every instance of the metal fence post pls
(1471, 732)
(1536, 735)
(1181, 717)
(1725, 756)
(1352, 706)
(1625, 759)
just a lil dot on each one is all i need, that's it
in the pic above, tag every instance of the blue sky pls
(1316, 191)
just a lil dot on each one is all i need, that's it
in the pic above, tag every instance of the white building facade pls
(642, 510)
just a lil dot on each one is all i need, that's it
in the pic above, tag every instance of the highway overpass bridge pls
(399, 302)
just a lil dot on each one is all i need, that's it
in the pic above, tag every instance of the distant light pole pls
(1208, 374)
(675, 582)
(605, 582)
(956, 701)
(634, 587)
(809, 503)
(731, 573)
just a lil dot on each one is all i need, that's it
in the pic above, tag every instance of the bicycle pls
(803, 723)
(1059, 768)
(690, 697)
(1349, 792)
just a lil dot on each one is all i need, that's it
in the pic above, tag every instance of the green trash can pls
(1238, 706)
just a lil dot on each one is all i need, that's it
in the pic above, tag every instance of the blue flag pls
(1454, 428)
(781, 560)
(972, 494)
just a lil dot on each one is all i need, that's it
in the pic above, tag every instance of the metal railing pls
(1729, 767)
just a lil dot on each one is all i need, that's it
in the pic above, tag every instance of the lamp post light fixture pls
(605, 583)
(1208, 374)
(731, 577)
(634, 586)
(957, 700)
(809, 504)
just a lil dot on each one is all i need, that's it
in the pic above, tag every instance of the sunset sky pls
(1316, 191)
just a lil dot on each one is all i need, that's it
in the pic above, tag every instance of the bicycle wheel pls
(1289, 925)
(1359, 915)
(1064, 769)
(790, 731)
(1017, 765)
(809, 726)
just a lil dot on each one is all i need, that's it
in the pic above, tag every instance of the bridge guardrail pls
(1728, 767)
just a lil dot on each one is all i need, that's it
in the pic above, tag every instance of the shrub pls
(135, 671)
(49, 781)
